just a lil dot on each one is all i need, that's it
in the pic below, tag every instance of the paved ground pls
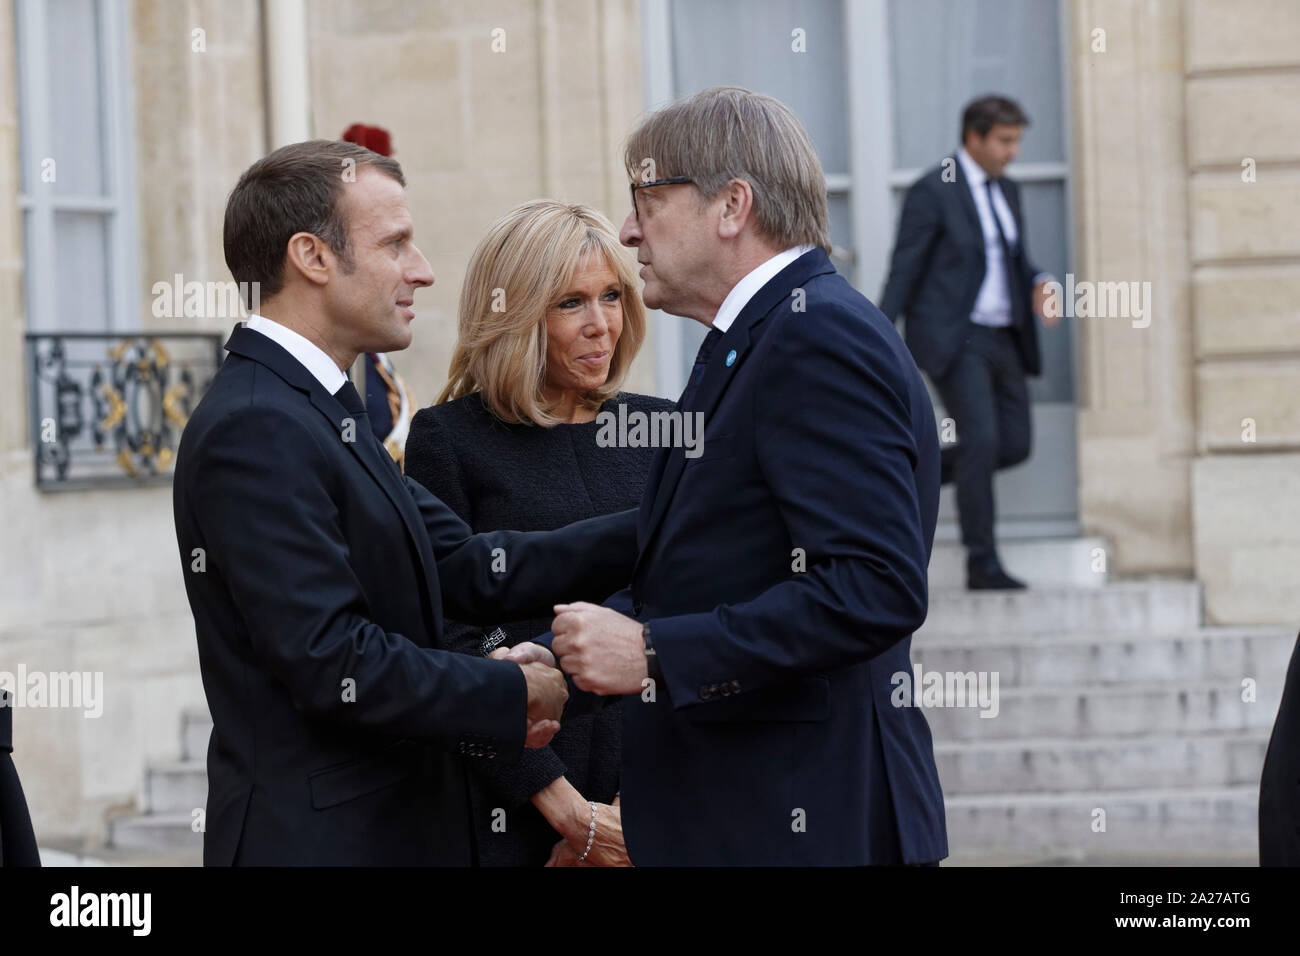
(67, 854)
(1065, 859)
(103, 856)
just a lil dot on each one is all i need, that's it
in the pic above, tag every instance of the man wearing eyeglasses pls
(782, 572)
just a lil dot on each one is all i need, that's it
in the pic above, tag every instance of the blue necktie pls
(697, 370)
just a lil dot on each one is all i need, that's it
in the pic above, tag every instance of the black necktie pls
(697, 370)
(350, 399)
(997, 220)
(1019, 304)
(356, 407)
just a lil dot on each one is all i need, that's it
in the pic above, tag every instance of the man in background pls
(963, 279)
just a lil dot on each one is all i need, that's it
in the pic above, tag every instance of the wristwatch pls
(651, 658)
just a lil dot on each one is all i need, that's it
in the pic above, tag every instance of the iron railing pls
(107, 409)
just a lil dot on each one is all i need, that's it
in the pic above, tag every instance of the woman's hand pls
(564, 855)
(608, 848)
(564, 809)
(570, 816)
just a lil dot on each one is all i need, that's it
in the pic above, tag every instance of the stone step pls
(1047, 765)
(1133, 607)
(155, 832)
(176, 786)
(196, 726)
(1091, 710)
(101, 855)
(1165, 821)
(1099, 658)
(1040, 562)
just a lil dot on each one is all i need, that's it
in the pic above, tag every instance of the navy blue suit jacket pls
(938, 266)
(783, 572)
(318, 575)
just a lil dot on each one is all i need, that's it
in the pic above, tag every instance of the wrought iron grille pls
(108, 409)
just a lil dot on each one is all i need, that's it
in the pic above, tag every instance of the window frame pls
(38, 207)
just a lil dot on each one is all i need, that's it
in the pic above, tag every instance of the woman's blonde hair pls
(524, 263)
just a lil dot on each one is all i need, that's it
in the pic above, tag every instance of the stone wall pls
(1243, 144)
(1189, 429)
(1136, 402)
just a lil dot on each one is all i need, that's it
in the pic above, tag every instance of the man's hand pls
(1040, 306)
(523, 652)
(546, 696)
(602, 649)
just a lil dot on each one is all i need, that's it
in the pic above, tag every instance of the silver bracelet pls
(591, 832)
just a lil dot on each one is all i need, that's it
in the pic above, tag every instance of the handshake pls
(602, 650)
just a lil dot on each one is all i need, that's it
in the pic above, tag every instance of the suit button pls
(637, 608)
(735, 686)
(705, 693)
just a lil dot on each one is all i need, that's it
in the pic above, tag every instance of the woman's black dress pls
(499, 476)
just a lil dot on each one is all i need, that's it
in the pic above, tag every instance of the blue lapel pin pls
(731, 358)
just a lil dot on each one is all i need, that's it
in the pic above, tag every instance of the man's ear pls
(310, 256)
(737, 207)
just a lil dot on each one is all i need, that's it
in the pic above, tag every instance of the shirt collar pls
(310, 356)
(973, 170)
(748, 287)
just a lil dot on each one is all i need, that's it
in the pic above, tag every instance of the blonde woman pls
(550, 321)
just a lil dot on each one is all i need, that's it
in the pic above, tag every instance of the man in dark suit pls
(783, 570)
(1279, 785)
(318, 573)
(963, 280)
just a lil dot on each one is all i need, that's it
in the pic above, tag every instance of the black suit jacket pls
(318, 575)
(1279, 785)
(783, 572)
(938, 266)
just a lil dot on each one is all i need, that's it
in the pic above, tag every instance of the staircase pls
(1116, 706)
(1111, 696)
(172, 792)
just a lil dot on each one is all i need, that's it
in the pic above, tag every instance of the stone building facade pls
(1186, 174)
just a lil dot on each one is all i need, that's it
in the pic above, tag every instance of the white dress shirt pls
(310, 355)
(748, 287)
(993, 304)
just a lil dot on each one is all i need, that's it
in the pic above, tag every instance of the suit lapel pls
(362, 443)
(719, 373)
(717, 376)
(967, 201)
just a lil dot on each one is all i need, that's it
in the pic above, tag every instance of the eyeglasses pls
(670, 181)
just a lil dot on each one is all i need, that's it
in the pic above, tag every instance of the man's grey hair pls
(727, 133)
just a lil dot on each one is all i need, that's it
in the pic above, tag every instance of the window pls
(77, 194)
